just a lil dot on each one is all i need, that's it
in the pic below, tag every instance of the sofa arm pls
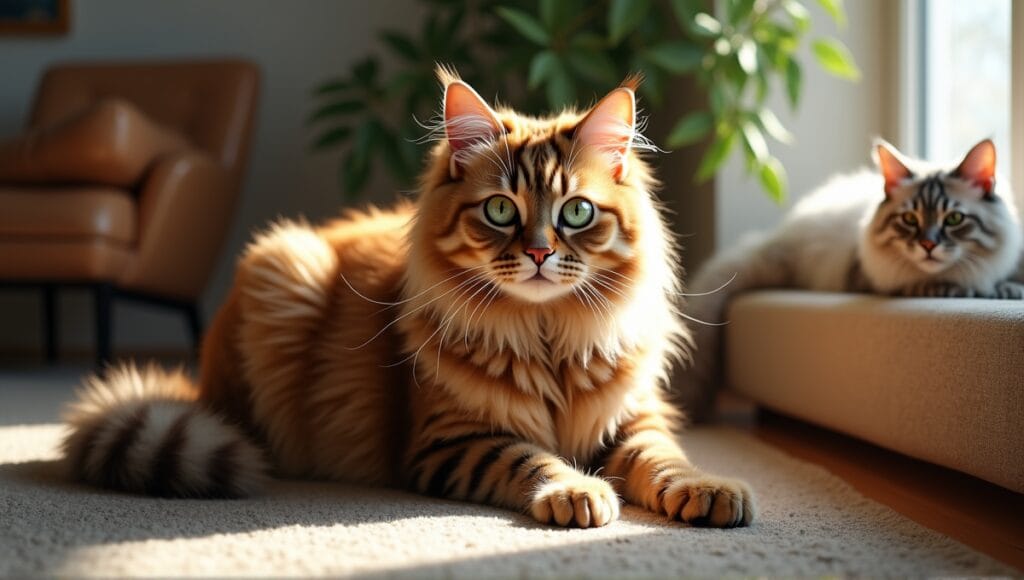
(185, 208)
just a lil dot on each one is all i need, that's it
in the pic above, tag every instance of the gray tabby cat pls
(909, 229)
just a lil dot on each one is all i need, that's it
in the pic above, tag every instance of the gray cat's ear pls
(979, 167)
(892, 164)
(468, 123)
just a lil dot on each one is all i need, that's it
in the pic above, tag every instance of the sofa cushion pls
(109, 143)
(938, 379)
(42, 214)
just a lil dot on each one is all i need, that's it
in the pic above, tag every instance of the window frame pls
(913, 81)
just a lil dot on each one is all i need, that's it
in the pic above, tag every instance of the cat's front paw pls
(1008, 290)
(582, 501)
(704, 500)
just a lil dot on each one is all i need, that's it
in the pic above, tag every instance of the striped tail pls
(142, 431)
(755, 262)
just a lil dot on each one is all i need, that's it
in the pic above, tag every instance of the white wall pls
(297, 43)
(834, 125)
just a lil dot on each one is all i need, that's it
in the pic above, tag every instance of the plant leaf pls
(402, 45)
(624, 16)
(690, 129)
(706, 26)
(835, 58)
(794, 82)
(548, 13)
(332, 86)
(365, 71)
(525, 24)
(747, 56)
(719, 150)
(754, 141)
(354, 173)
(540, 67)
(335, 109)
(835, 10)
(593, 64)
(739, 11)
(589, 41)
(560, 89)
(677, 56)
(393, 157)
(798, 12)
(685, 10)
(365, 138)
(331, 137)
(773, 126)
(773, 179)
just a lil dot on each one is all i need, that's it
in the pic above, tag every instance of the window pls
(957, 77)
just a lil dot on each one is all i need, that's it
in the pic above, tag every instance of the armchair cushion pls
(68, 213)
(109, 143)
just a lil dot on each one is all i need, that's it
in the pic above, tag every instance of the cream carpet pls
(811, 524)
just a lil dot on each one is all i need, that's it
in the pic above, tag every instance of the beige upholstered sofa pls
(937, 379)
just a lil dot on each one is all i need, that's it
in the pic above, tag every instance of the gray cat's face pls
(940, 220)
(942, 224)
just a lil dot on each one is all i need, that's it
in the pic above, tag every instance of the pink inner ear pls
(979, 166)
(468, 120)
(609, 128)
(892, 168)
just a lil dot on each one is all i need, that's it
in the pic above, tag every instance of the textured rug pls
(811, 524)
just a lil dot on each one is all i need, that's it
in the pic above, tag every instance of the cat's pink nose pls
(928, 245)
(540, 254)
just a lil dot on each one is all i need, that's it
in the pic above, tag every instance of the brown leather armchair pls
(125, 181)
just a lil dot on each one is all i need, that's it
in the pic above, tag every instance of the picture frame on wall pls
(34, 17)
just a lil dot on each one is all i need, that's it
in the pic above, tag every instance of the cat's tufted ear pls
(610, 127)
(468, 123)
(892, 165)
(979, 167)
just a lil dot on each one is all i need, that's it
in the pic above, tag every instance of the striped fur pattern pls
(505, 339)
(909, 229)
(140, 431)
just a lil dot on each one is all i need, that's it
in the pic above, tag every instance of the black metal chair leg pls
(50, 322)
(195, 325)
(104, 296)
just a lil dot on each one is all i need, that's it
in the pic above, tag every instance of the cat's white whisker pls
(411, 312)
(411, 298)
(710, 292)
(415, 356)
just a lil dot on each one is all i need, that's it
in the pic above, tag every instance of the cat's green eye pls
(577, 212)
(954, 219)
(500, 210)
(909, 218)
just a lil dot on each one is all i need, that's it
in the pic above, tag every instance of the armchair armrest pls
(185, 208)
(110, 143)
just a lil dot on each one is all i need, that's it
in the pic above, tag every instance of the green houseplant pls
(545, 54)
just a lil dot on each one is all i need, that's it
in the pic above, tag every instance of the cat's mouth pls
(537, 288)
(931, 264)
(538, 277)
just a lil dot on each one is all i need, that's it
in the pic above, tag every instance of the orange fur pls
(412, 347)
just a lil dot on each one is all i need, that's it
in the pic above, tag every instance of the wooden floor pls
(979, 514)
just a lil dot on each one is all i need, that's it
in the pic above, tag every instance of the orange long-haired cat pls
(502, 340)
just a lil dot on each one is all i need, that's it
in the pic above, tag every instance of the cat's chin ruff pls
(570, 329)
